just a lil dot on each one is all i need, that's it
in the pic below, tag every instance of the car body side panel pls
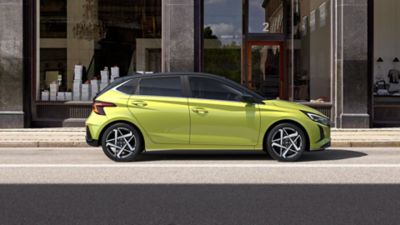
(223, 123)
(97, 123)
(165, 119)
(269, 114)
(272, 114)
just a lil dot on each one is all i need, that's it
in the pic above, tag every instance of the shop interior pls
(81, 40)
(386, 64)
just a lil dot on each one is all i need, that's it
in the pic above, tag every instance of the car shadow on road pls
(226, 155)
(331, 155)
(202, 155)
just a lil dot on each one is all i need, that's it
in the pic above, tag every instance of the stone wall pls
(178, 35)
(11, 63)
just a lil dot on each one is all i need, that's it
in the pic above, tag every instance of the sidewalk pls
(75, 137)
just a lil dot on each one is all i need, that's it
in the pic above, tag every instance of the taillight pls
(98, 107)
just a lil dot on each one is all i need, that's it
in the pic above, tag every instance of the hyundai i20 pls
(199, 111)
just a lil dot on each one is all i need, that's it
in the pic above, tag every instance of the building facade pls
(338, 56)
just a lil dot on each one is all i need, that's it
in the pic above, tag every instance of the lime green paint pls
(166, 120)
(187, 123)
(223, 122)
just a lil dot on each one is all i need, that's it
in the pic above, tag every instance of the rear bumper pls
(89, 139)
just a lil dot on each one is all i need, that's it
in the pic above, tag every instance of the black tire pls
(133, 141)
(296, 143)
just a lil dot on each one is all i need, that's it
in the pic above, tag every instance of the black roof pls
(140, 75)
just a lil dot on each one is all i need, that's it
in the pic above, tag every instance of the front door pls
(265, 68)
(218, 117)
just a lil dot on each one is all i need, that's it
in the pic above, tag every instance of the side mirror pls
(251, 100)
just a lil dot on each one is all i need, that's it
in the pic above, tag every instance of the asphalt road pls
(81, 186)
(90, 166)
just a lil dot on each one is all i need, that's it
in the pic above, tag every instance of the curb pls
(43, 144)
(363, 144)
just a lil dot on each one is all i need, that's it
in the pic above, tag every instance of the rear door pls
(218, 117)
(161, 109)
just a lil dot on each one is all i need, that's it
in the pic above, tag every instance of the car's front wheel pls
(122, 142)
(286, 142)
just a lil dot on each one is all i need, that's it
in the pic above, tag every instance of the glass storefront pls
(386, 48)
(278, 48)
(266, 69)
(386, 64)
(311, 44)
(222, 36)
(285, 46)
(84, 44)
(265, 16)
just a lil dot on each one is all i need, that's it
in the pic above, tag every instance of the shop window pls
(266, 16)
(53, 18)
(86, 44)
(386, 61)
(222, 36)
(311, 44)
(267, 74)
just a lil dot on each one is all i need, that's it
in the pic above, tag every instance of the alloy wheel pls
(121, 143)
(287, 142)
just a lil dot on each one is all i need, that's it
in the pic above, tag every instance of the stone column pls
(352, 82)
(178, 35)
(11, 64)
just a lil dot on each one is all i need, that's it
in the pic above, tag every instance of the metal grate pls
(63, 111)
(79, 111)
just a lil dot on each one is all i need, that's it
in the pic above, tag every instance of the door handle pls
(200, 111)
(139, 103)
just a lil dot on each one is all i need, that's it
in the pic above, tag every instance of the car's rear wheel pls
(286, 142)
(122, 142)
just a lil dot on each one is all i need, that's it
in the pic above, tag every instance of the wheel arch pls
(126, 122)
(287, 121)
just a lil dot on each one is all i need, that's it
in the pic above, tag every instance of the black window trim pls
(223, 80)
(137, 92)
(136, 80)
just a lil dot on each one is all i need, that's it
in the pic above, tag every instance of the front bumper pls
(89, 139)
(323, 139)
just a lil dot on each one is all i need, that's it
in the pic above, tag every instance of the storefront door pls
(265, 68)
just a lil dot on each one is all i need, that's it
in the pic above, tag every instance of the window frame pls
(183, 93)
(225, 81)
(136, 82)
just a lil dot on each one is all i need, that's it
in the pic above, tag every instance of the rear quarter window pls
(129, 87)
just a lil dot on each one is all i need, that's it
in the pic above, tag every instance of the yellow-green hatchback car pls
(193, 111)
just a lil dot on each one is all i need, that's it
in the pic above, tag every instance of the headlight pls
(318, 119)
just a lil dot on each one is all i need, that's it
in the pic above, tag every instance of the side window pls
(161, 86)
(207, 88)
(129, 87)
